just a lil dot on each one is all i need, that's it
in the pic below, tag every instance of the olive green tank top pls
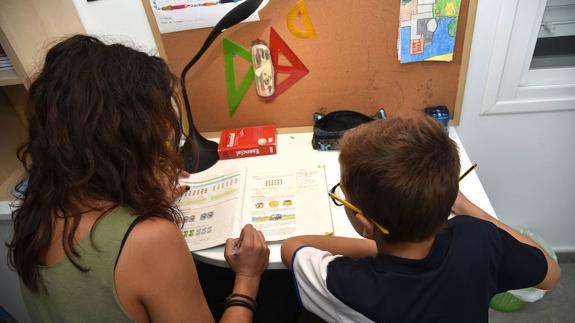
(76, 296)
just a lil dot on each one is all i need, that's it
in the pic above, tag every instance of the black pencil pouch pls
(329, 128)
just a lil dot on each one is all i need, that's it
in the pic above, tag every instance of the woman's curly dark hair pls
(102, 127)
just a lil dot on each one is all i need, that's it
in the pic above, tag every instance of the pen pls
(468, 171)
(237, 248)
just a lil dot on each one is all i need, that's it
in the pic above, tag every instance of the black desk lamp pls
(199, 153)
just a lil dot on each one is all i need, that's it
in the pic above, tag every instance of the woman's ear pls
(368, 228)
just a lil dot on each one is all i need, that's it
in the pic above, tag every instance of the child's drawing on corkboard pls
(427, 30)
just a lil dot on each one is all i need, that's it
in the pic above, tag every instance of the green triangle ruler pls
(236, 94)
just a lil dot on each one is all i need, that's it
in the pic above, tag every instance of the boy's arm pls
(464, 206)
(349, 247)
(311, 268)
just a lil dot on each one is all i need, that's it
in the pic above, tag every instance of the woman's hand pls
(248, 255)
(175, 193)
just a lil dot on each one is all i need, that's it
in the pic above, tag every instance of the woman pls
(96, 236)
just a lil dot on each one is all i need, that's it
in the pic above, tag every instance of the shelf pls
(12, 135)
(9, 77)
(7, 187)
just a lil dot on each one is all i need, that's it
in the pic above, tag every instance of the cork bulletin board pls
(353, 65)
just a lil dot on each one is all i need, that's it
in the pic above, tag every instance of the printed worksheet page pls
(211, 208)
(284, 203)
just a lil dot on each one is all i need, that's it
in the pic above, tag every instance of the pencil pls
(468, 171)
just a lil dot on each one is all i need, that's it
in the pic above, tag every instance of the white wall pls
(526, 161)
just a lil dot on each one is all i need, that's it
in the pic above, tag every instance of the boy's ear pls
(368, 228)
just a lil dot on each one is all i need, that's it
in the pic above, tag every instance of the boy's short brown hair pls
(403, 174)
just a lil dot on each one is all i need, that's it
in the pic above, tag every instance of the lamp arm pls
(211, 37)
(198, 152)
(234, 16)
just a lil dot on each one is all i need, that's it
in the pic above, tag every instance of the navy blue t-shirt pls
(470, 261)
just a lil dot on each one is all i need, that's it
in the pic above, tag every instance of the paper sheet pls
(280, 203)
(427, 30)
(285, 203)
(178, 15)
(211, 208)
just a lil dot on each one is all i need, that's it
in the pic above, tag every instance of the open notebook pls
(280, 203)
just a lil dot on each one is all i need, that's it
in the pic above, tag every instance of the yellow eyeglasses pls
(335, 193)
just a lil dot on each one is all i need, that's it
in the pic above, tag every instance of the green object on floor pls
(506, 302)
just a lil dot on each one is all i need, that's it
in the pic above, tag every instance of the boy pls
(399, 182)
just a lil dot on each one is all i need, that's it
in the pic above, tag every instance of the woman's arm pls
(248, 257)
(157, 279)
(156, 276)
(464, 206)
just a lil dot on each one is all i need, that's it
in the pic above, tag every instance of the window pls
(555, 46)
(532, 63)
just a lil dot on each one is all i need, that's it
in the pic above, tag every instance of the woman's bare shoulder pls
(154, 253)
(159, 235)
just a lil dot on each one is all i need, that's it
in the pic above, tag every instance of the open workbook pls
(280, 203)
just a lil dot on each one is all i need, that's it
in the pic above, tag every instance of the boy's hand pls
(463, 206)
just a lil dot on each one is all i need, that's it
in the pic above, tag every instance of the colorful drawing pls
(427, 30)
(236, 94)
(299, 11)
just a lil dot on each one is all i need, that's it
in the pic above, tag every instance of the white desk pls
(295, 150)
